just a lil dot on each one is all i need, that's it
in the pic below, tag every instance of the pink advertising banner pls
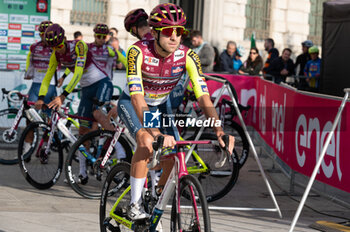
(296, 125)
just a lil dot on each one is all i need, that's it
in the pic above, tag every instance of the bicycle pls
(95, 148)
(216, 181)
(189, 198)
(12, 124)
(42, 164)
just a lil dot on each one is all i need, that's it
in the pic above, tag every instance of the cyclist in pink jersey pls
(37, 63)
(104, 54)
(153, 70)
(95, 82)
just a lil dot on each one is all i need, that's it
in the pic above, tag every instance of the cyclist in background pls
(104, 54)
(37, 63)
(136, 23)
(154, 68)
(95, 82)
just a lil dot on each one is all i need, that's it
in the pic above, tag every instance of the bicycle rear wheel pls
(241, 141)
(85, 177)
(117, 181)
(9, 143)
(216, 182)
(41, 170)
(189, 212)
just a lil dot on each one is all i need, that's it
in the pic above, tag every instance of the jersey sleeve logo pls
(196, 60)
(132, 57)
(80, 49)
(204, 88)
(135, 88)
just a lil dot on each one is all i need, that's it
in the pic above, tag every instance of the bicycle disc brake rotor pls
(7, 138)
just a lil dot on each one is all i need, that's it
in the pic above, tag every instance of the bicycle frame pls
(179, 170)
(118, 132)
(24, 106)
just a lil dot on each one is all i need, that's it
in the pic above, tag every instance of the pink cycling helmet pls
(43, 25)
(167, 14)
(101, 29)
(54, 35)
(133, 17)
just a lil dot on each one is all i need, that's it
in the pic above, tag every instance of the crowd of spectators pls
(276, 68)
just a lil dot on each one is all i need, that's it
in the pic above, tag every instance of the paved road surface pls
(25, 209)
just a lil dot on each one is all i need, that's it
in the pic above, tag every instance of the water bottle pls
(33, 115)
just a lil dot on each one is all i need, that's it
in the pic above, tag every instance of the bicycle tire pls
(217, 182)
(189, 201)
(241, 141)
(40, 170)
(117, 181)
(9, 145)
(91, 189)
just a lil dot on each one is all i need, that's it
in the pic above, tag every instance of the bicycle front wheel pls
(41, 167)
(116, 183)
(9, 143)
(216, 181)
(189, 210)
(85, 176)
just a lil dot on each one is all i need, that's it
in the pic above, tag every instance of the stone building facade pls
(288, 22)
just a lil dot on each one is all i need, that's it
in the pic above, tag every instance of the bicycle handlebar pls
(158, 146)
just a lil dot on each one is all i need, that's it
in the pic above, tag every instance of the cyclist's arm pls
(66, 73)
(121, 58)
(81, 49)
(134, 75)
(28, 63)
(194, 69)
(29, 72)
(48, 76)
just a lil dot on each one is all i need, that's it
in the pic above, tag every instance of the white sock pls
(82, 165)
(136, 188)
(119, 151)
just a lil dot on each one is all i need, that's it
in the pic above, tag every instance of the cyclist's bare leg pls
(142, 154)
(103, 120)
(167, 166)
(83, 130)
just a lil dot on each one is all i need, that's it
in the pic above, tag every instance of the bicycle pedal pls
(121, 211)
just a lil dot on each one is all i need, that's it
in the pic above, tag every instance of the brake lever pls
(157, 150)
(225, 154)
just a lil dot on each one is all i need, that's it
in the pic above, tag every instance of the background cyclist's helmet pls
(54, 35)
(101, 29)
(43, 25)
(167, 14)
(133, 17)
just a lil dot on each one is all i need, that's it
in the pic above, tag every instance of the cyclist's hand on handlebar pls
(38, 104)
(169, 141)
(231, 142)
(113, 113)
(56, 103)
